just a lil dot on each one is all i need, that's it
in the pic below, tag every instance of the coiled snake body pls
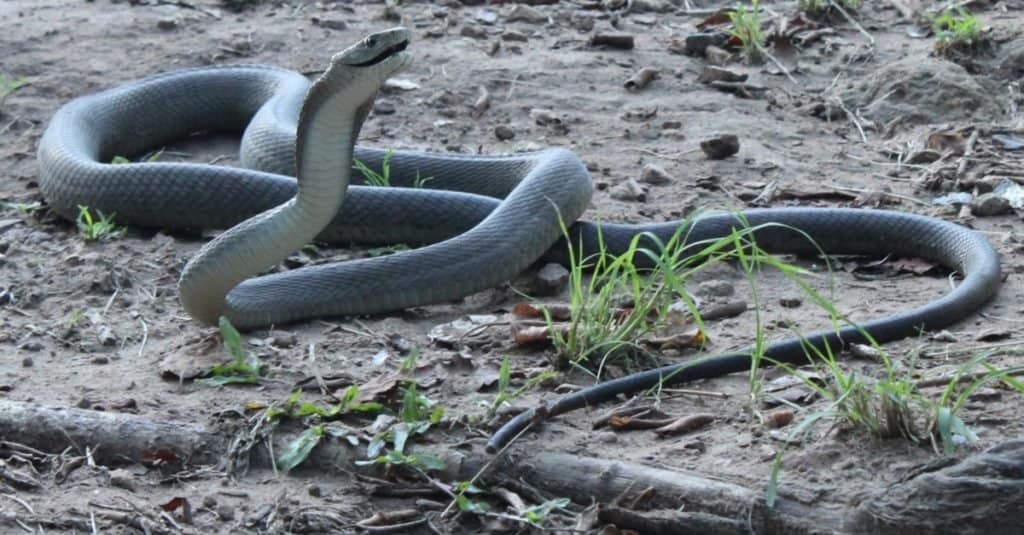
(496, 216)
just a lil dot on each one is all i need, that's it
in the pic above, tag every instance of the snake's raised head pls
(383, 51)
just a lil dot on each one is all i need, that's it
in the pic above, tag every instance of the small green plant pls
(97, 228)
(892, 405)
(817, 7)
(244, 368)
(23, 208)
(504, 394)
(418, 414)
(120, 160)
(9, 85)
(373, 178)
(746, 27)
(465, 504)
(956, 29)
(535, 514)
(382, 179)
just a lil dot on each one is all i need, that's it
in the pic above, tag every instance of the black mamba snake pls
(499, 214)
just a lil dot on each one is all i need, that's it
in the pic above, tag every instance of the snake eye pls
(371, 41)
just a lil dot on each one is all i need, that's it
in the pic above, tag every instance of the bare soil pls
(98, 325)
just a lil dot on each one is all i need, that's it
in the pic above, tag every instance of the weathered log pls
(982, 494)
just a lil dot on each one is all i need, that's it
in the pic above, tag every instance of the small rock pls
(209, 501)
(487, 16)
(696, 43)
(672, 125)
(504, 132)
(791, 302)
(400, 84)
(990, 204)
(779, 418)
(526, 14)
(721, 147)
(27, 362)
(716, 55)
(106, 337)
(944, 336)
(550, 279)
(166, 24)
(650, 6)
(544, 117)
(383, 107)
(330, 24)
(985, 394)
(608, 437)
(123, 479)
(512, 35)
(583, 22)
(628, 190)
(716, 288)
(718, 74)
(284, 340)
(315, 490)
(226, 512)
(476, 32)
(654, 174)
(31, 345)
(100, 359)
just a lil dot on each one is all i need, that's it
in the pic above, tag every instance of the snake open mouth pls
(385, 54)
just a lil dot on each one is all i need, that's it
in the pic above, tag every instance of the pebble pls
(628, 190)
(512, 35)
(27, 362)
(284, 340)
(582, 22)
(990, 204)
(527, 14)
(330, 24)
(473, 31)
(608, 437)
(985, 394)
(166, 24)
(654, 174)
(550, 279)
(717, 288)
(100, 360)
(315, 490)
(697, 43)
(122, 478)
(226, 512)
(31, 345)
(383, 107)
(487, 16)
(721, 147)
(716, 55)
(106, 337)
(791, 302)
(504, 132)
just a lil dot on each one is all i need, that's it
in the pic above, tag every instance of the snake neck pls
(325, 141)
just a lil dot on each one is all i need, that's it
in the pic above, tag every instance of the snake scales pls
(486, 217)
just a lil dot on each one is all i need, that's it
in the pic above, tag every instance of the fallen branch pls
(981, 494)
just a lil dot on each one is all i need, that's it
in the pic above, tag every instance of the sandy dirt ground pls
(843, 117)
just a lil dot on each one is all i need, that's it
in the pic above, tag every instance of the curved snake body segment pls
(492, 216)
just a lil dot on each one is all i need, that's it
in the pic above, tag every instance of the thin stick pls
(487, 466)
(853, 21)
(777, 63)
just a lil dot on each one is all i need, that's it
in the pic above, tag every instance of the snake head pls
(384, 51)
